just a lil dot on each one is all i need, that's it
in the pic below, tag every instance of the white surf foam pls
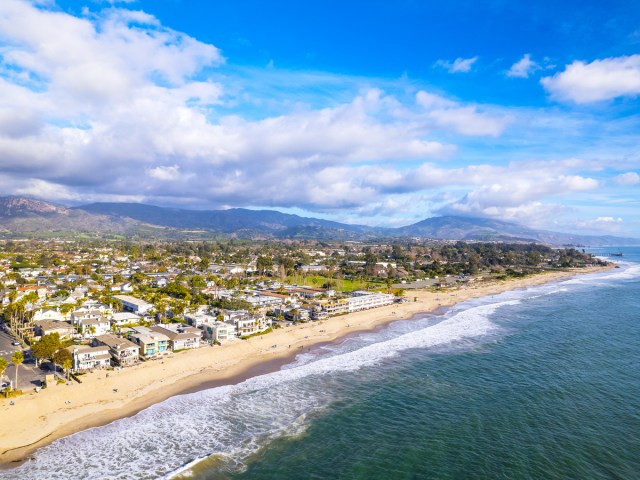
(234, 420)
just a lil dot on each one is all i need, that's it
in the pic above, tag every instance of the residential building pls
(219, 331)
(180, 337)
(95, 326)
(125, 318)
(122, 287)
(151, 343)
(133, 304)
(335, 307)
(88, 358)
(52, 314)
(46, 327)
(361, 300)
(123, 352)
(198, 319)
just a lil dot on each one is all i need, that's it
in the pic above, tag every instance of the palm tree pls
(3, 366)
(17, 359)
(66, 365)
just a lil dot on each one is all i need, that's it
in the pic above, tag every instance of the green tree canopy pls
(46, 347)
(61, 356)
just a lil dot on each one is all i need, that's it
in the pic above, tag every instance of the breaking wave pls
(230, 423)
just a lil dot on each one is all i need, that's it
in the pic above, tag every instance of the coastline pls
(38, 419)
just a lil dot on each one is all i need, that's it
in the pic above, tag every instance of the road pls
(28, 376)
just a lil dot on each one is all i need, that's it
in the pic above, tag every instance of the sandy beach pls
(37, 419)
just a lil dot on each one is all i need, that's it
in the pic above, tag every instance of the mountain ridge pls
(22, 215)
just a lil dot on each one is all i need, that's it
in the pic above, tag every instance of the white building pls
(125, 318)
(181, 337)
(95, 326)
(219, 331)
(361, 300)
(133, 304)
(88, 358)
(50, 314)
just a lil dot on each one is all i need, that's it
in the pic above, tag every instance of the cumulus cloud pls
(466, 120)
(523, 67)
(599, 224)
(459, 65)
(516, 193)
(114, 106)
(599, 80)
(627, 179)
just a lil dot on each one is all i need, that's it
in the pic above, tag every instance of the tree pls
(264, 263)
(198, 282)
(62, 356)
(67, 364)
(17, 359)
(46, 347)
(3, 365)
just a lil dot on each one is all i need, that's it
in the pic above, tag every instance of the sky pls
(377, 113)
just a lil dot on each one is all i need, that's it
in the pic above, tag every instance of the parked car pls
(15, 343)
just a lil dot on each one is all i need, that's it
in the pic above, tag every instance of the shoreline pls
(38, 419)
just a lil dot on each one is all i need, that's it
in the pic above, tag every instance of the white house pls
(180, 337)
(88, 358)
(52, 314)
(133, 304)
(95, 326)
(219, 331)
(122, 287)
(125, 318)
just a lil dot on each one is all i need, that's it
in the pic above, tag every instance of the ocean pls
(542, 383)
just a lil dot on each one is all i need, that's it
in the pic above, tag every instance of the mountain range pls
(22, 217)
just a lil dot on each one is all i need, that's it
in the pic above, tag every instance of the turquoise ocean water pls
(541, 383)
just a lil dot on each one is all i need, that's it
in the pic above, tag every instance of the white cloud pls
(626, 179)
(463, 119)
(599, 80)
(516, 192)
(459, 65)
(114, 106)
(600, 224)
(165, 173)
(523, 67)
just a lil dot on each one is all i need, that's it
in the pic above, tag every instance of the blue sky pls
(376, 112)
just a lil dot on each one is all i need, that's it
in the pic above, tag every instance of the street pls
(28, 376)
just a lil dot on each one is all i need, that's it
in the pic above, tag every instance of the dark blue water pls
(556, 397)
(535, 384)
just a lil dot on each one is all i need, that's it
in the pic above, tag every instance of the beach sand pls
(37, 419)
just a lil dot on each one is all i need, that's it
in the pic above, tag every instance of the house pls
(46, 327)
(198, 319)
(123, 352)
(122, 287)
(95, 326)
(151, 343)
(246, 323)
(39, 290)
(88, 358)
(82, 315)
(52, 314)
(160, 282)
(125, 318)
(133, 304)
(219, 331)
(180, 337)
